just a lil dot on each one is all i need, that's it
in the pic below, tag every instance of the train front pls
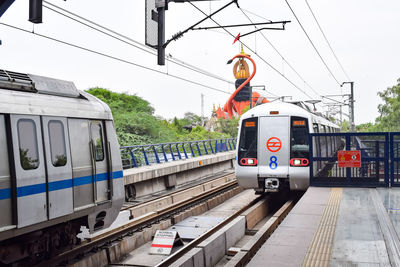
(272, 151)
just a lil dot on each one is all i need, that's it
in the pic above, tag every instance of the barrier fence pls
(376, 157)
(141, 155)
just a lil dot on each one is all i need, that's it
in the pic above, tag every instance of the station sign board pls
(164, 241)
(349, 159)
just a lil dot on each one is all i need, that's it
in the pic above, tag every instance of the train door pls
(99, 161)
(82, 163)
(30, 171)
(59, 168)
(5, 181)
(273, 147)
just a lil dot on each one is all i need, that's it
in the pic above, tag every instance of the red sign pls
(274, 144)
(351, 159)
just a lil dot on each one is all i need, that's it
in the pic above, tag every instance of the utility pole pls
(352, 124)
(352, 127)
(161, 5)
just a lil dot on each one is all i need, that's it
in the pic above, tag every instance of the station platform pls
(337, 227)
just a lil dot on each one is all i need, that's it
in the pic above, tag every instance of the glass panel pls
(57, 144)
(299, 138)
(28, 147)
(248, 139)
(97, 137)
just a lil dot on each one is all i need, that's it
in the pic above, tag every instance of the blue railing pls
(141, 155)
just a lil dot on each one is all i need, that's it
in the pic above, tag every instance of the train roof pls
(287, 109)
(22, 93)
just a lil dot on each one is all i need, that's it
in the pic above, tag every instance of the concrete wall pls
(159, 177)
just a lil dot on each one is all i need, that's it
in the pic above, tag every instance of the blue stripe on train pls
(58, 185)
(31, 190)
(5, 193)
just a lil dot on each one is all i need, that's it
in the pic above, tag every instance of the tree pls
(389, 119)
(228, 126)
(136, 124)
(345, 126)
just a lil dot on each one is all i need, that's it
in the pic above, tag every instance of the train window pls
(299, 138)
(97, 137)
(57, 143)
(28, 147)
(248, 139)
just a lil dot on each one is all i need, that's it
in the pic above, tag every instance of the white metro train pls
(273, 146)
(60, 166)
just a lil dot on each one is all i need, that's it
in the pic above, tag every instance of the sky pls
(363, 34)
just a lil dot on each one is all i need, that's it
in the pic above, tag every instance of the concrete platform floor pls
(337, 227)
(141, 255)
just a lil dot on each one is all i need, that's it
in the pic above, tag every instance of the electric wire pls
(283, 58)
(113, 57)
(136, 44)
(266, 62)
(315, 48)
(254, 14)
(326, 39)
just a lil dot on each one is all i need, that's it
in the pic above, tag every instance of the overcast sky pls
(364, 35)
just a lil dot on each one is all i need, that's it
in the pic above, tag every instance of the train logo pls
(274, 144)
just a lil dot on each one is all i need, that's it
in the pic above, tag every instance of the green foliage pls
(61, 160)
(133, 117)
(27, 162)
(367, 127)
(345, 126)
(136, 124)
(389, 119)
(228, 126)
(191, 118)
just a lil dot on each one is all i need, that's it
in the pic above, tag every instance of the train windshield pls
(299, 138)
(248, 139)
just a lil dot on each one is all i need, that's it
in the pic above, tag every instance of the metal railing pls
(141, 155)
(373, 170)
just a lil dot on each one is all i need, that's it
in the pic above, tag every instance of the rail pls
(141, 155)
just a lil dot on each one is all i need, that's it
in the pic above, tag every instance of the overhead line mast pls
(125, 39)
(159, 16)
(260, 57)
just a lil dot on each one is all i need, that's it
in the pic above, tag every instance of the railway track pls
(100, 241)
(252, 246)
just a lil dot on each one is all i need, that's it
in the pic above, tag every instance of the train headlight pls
(299, 162)
(248, 162)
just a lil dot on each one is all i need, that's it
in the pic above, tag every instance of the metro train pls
(60, 166)
(273, 146)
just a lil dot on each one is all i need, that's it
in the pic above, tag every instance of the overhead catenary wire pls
(279, 53)
(129, 41)
(254, 14)
(326, 39)
(312, 43)
(113, 57)
(265, 61)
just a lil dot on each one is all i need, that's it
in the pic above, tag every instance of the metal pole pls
(341, 116)
(352, 126)
(161, 32)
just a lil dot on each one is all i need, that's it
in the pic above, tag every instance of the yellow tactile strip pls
(319, 252)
